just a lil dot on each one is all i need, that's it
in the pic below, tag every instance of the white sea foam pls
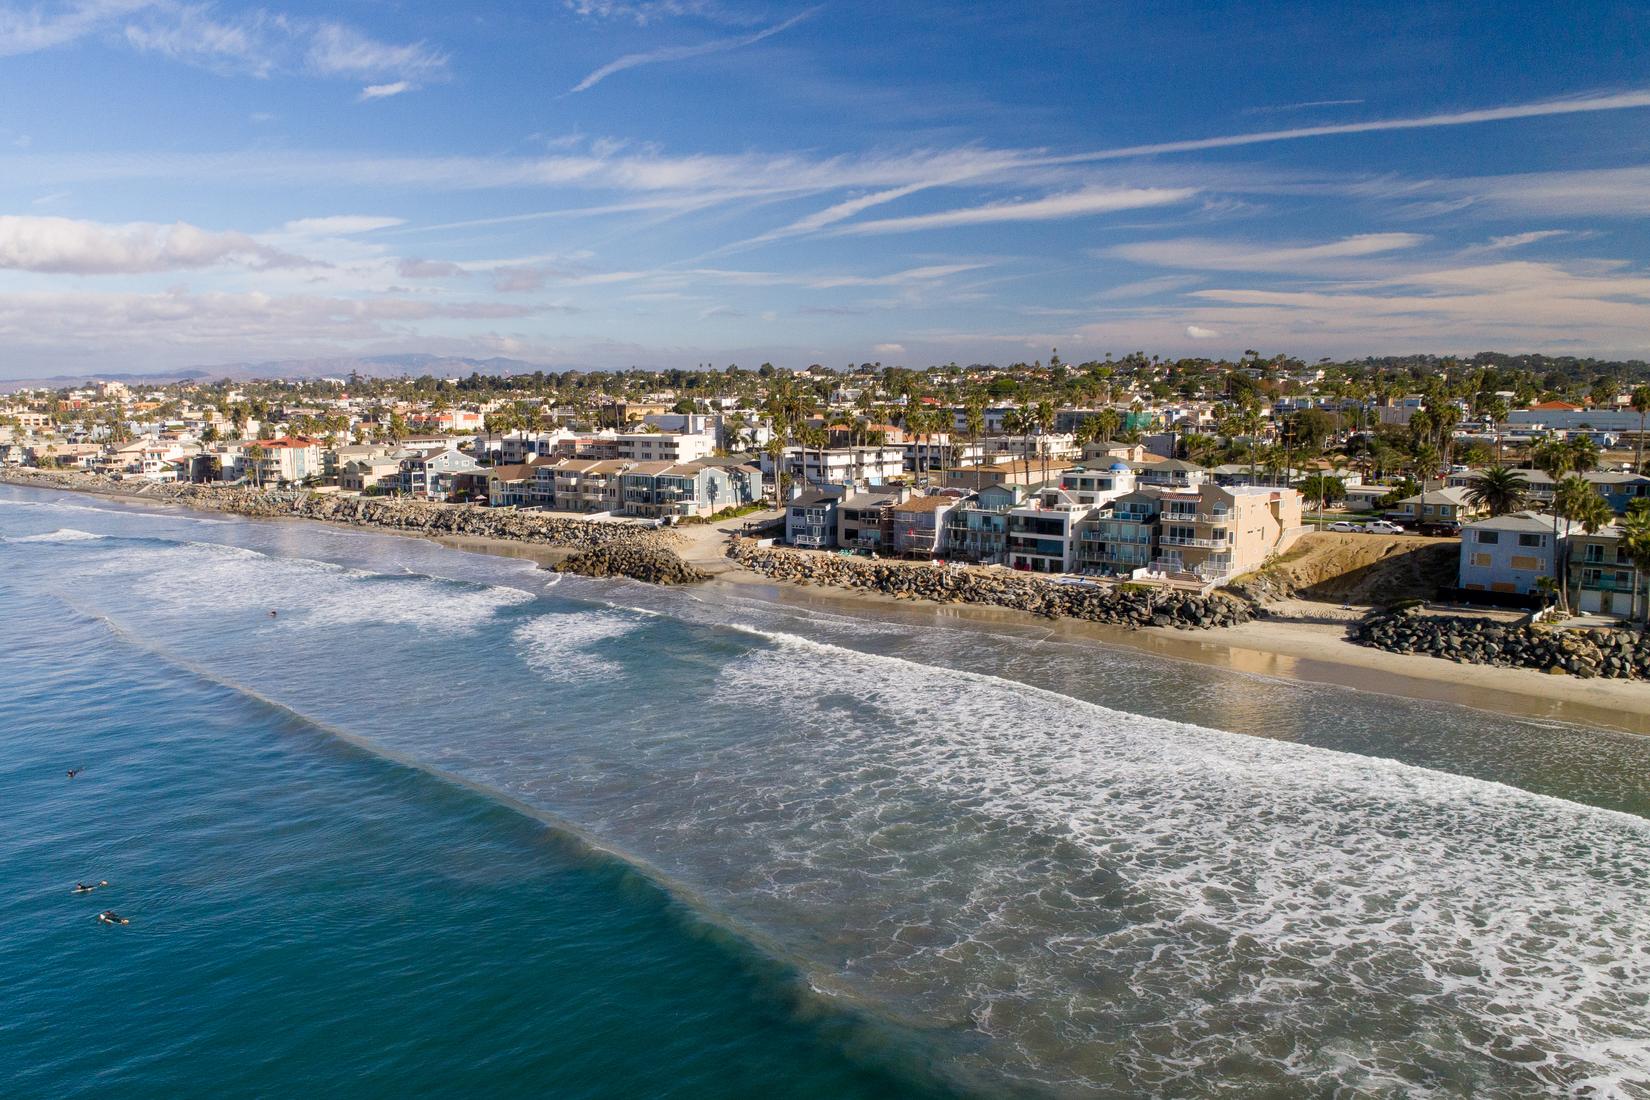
(204, 576)
(62, 534)
(1128, 902)
(558, 646)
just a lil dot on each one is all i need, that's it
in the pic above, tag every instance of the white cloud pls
(66, 246)
(259, 43)
(45, 26)
(384, 91)
(1145, 288)
(338, 50)
(1205, 255)
(684, 53)
(193, 34)
(339, 225)
(1543, 108)
(1519, 240)
(427, 269)
(644, 12)
(888, 349)
(1072, 205)
(1306, 106)
(1198, 332)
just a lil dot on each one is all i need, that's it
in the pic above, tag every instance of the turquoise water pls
(449, 825)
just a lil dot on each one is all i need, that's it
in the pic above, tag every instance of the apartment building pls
(1121, 537)
(838, 465)
(664, 446)
(1042, 531)
(1216, 532)
(580, 485)
(666, 489)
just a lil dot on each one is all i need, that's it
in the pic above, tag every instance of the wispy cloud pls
(1205, 255)
(685, 53)
(258, 43)
(643, 12)
(1072, 205)
(384, 91)
(1281, 108)
(1620, 101)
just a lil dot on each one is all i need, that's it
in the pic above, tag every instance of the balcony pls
(1183, 540)
(812, 542)
(1606, 584)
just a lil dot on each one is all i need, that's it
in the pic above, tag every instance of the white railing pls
(1183, 540)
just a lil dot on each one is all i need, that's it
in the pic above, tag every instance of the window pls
(1482, 561)
(1532, 540)
(1489, 538)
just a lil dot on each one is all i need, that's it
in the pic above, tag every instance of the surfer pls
(83, 888)
(75, 771)
(109, 916)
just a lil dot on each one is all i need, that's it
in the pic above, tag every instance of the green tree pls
(1576, 500)
(1498, 490)
(1636, 541)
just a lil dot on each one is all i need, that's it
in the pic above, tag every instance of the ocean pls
(449, 825)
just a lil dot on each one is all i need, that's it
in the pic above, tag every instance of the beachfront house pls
(427, 473)
(1602, 575)
(1122, 536)
(865, 518)
(919, 525)
(977, 529)
(811, 517)
(1042, 531)
(1511, 553)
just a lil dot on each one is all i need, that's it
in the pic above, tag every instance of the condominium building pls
(811, 517)
(665, 446)
(837, 465)
(1216, 532)
(919, 525)
(1042, 532)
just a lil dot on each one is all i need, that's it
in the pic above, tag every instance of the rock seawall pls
(1613, 654)
(1122, 605)
(642, 563)
(653, 553)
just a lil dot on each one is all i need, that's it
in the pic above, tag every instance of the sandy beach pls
(1286, 648)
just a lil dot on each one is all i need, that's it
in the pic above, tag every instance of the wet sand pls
(1314, 652)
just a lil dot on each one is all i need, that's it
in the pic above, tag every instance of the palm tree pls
(1585, 452)
(1043, 416)
(1641, 405)
(1498, 490)
(1635, 539)
(776, 454)
(1495, 408)
(974, 421)
(1580, 503)
(1109, 421)
(1020, 422)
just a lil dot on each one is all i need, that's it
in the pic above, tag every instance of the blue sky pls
(668, 182)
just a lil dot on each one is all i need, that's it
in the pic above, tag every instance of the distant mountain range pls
(371, 366)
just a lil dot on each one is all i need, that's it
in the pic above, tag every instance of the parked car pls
(1446, 528)
(1344, 526)
(1382, 527)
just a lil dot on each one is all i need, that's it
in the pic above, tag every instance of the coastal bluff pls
(1119, 605)
(388, 513)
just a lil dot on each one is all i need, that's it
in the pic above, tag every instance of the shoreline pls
(1284, 649)
(1316, 652)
